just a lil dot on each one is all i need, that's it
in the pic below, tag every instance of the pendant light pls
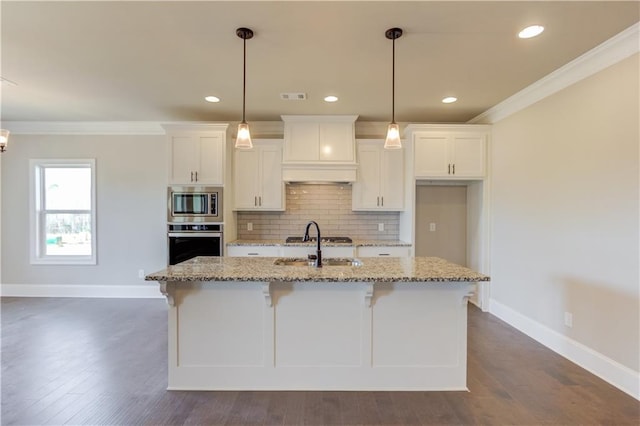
(393, 132)
(243, 140)
(4, 139)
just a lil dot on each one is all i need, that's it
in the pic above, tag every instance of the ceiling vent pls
(293, 96)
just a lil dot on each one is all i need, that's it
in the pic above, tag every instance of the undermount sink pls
(298, 261)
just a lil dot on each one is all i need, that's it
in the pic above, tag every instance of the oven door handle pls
(194, 234)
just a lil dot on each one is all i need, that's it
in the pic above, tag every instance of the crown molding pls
(612, 51)
(85, 127)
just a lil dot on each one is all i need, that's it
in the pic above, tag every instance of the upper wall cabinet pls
(449, 151)
(380, 181)
(196, 153)
(258, 176)
(319, 138)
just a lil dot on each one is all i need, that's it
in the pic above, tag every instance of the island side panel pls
(318, 336)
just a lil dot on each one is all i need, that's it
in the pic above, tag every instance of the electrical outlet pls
(432, 227)
(140, 273)
(568, 319)
(381, 227)
(249, 226)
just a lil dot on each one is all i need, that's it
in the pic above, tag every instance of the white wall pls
(565, 213)
(131, 178)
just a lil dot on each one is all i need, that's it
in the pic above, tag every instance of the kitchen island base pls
(400, 336)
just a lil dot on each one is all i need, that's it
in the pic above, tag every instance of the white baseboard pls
(618, 375)
(68, 290)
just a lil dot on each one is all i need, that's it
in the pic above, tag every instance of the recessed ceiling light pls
(449, 100)
(532, 31)
(212, 99)
(331, 98)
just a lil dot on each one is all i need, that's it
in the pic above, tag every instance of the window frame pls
(37, 240)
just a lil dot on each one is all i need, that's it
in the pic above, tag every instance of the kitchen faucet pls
(318, 259)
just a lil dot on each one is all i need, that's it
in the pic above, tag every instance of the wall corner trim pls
(612, 51)
(148, 291)
(618, 375)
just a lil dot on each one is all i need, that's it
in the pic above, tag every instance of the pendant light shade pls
(4, 139)
(243, 139)
(393, 132)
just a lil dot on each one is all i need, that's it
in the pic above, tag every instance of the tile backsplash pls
(329, 205)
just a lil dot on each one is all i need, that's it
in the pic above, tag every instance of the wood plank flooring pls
(104, 362)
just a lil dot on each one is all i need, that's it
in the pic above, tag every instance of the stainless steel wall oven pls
(187, 241)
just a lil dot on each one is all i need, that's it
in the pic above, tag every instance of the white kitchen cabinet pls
(196, 154)
(380, 178)
(449, 152)
(383, 251)
(313, 138)
(327, 252)
(258, 176)
(253, 251)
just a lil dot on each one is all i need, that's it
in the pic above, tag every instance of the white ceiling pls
(156, 60)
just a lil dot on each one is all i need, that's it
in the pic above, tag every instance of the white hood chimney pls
(319, 148)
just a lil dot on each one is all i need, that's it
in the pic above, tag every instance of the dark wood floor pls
(103, 361)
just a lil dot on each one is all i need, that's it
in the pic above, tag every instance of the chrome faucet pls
(318, 257)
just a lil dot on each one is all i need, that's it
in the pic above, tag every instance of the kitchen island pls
(253, 324)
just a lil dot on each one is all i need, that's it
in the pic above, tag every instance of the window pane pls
(67, 188)
(68, 234)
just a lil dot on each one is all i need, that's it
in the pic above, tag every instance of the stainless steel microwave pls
(194, 204)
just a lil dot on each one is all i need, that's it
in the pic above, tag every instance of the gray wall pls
(564, 209)
(131, 176)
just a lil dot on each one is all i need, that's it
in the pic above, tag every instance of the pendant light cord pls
(393, 81)
(244, 75)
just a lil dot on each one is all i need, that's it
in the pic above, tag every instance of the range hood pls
(314, 173)
(319, 148)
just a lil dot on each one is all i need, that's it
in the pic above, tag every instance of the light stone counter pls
(263, 269)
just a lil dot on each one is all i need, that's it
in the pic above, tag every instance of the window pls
(63, 211)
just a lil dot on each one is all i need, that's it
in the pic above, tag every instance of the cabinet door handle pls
(454, 169)
(252, 254)
(378, 201)
(191, 176)
(255, 201)
(382, 203)
(196, 176)
(260, 200)
(383, 254)
(449, 170)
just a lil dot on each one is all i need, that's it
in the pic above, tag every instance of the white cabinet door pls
(450, 155)
(366, 190)
(380, 180)
(258, 177)
(196, 154)
(184, 150)
(270, 181)
(469, 155)
(431, 154)
(392, 179)
(246, 175)
(210, 160)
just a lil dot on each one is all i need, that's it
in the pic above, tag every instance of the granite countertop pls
(356, 243)
(263, 269)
